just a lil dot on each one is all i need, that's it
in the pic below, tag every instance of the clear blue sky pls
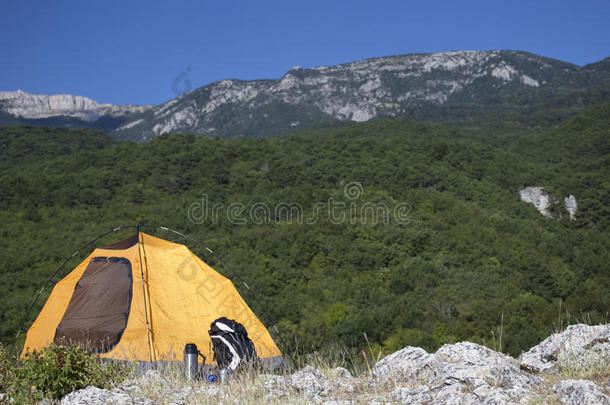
(131, 51)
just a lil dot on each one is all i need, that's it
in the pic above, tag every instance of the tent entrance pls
(99, 308)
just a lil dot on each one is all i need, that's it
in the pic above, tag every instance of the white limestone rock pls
(26, 105)
(540, 199)
(410, 365)
(478, 365)
(580, 392)
(458, 373)
(543, 201)
(579, 346)
(571, 206)
(310, 381)
(412, 395)
(504, 72)
(99, 396)
(528, 81)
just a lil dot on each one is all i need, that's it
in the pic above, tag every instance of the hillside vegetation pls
(430, 246)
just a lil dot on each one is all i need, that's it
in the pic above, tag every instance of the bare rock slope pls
(37, 106)
(457, 86)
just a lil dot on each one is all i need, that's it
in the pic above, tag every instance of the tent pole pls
(144, 294)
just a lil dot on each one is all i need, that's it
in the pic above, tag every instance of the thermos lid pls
(191, 348)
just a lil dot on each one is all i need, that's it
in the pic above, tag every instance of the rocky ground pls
(571, 367)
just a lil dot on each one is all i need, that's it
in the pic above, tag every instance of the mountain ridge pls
(44, 106)
(447, 87)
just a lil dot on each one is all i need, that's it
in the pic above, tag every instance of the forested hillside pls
(409, 233)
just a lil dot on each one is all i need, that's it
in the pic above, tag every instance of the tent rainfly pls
(143, 299)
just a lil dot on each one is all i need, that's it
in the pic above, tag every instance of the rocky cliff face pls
(441, 87)
(543, 201)
(381, 87)
(36, 106)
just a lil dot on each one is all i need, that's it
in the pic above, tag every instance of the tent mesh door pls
(99, 308)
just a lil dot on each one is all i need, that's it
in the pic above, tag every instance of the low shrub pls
(54, 372)
(7, 371)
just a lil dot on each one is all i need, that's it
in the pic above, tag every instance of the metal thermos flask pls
(190, 360)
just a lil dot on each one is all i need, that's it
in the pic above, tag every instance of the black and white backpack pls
(231, 344)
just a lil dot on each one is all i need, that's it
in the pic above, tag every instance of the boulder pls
(310, 381)
(579, 346)
(409, 395)
(98, 396)
(410, 365)
(580, 392)
(478, 365)
(458, 373)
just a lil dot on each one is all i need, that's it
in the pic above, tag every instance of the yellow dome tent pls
(143, 299)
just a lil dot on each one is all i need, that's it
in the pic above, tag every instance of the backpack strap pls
(235, 358)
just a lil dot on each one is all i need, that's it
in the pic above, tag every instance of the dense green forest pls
(409, 233)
